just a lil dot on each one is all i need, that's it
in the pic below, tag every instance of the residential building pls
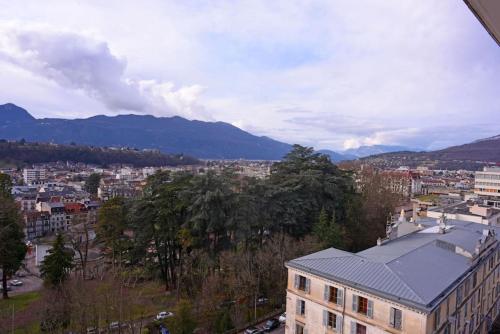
(31, 176)
(425, 277)
(487, 184)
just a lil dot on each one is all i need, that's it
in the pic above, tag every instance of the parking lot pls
(30, 283)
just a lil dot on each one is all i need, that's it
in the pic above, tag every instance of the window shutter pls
(296, 284)
(326, 293)
(338, 323)
(297, 307)
(325, 318)
(340, 297)
(370, 309)
(355, 303)
(353, 327)
(308, 285)
(399, 319)
(392, 318)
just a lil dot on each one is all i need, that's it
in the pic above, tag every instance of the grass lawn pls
(20, 302)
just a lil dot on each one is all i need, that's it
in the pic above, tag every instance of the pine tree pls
(57, 265)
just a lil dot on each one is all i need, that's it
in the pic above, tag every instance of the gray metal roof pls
(413, 269)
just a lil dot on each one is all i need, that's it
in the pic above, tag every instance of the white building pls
(487, 184)
(33, 175)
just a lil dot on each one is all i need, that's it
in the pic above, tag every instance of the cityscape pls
(134, 205)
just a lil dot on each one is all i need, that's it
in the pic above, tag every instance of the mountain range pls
(210, 140)
(471, 156)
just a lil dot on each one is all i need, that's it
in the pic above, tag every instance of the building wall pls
(479, 301)
(413, 321)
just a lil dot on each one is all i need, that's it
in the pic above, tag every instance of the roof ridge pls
(400, 279)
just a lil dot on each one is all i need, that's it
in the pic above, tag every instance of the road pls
(280, 330)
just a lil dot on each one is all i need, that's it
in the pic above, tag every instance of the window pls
(357, 328)
(299, 329)
(362, 305)
(467, 286)
(332, 321)
(302, 283)
(447, 329)
(471, 325)
(396, 318)
(459, 295)
(437, 317)
(301, 307)
(334, 295)
(474, 280)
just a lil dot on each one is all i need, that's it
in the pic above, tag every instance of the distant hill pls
(24, 153)
(211, 140)
(337, 157)
(364, 151)
(470, 156)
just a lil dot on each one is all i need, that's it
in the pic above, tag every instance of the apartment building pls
(34, 175)
(426, 277)
(487, 182)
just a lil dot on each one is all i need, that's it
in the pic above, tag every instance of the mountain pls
(10, 113)
(337, 157)
(471, 156)
(364, 151)
(210, 140)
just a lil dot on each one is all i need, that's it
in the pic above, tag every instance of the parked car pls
(262, 301)
(92, 330)
(282, 318)
(271, 324)
(163, 315)
(21, 274)
(253, 330)
(16, 282)
(115, 325)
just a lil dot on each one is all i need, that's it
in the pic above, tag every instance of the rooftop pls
(417, 269)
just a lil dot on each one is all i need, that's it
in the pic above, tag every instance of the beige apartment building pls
(426, 277)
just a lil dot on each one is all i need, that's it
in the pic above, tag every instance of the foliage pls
(12, 247)
(32, 153)
(92, 183)
(111, 224)
(57, 265)
(184, 321)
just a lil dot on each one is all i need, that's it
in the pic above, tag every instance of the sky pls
(333, 74)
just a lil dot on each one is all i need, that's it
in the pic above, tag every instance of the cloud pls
(327, 73)
(82, 62)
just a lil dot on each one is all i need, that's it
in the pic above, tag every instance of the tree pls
(92, 183)
(12, 247)
(57, 265)
(329, 232)
(158, 220)
(184, 321)
(111, 223)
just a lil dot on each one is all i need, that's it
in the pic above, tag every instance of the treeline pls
(23, 153)
(220, 241)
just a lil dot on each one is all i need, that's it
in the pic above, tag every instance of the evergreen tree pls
(57, 264)
(92, 183)
(12, 247)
